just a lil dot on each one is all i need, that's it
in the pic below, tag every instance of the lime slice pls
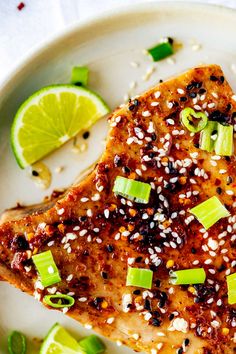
(50, 117)
(16, 343)
(59, 341)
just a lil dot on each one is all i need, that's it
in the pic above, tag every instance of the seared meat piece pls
(94, 235)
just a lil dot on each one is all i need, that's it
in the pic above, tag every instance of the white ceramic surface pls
(107, 45)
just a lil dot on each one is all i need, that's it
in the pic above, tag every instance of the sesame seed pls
(146, 114)
(60, 211)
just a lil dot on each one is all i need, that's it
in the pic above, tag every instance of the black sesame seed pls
(126, 169)
(155, 322)
(138, 259)
(110, 248)
(228, 107)
(186, 342)
(222, 79)
(193, 250)
(157, 283)
(196, 145)
(190, 87)
(132, 107)
(183, 99)
(229, 180)
(117, 160)
(83, 218)
(86, 135)
(198, 84)
(147, 305)
(136, 102)
(180, 351)
(170, 40)
(151, 155)
(160, 80)
(104, 275)
(213, 78)
(221, 268)
(35, 173)
(86, 253)
(137, 292)
(171, 317)
(201, 91)
(192, 94)
(218, 190)
(153, 137)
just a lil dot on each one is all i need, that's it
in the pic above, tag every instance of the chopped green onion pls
(131, 189)
(161, 51)
(231, 284)
(46, 268)
(92, 345)
(209, 212)
(224, 141)
(16, 343)
(61, 301)
(79, 75)
(139, 277)
(188, 276)
(187, 115)
(208, 136)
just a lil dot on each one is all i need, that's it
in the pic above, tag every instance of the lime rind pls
(69, 109)
(59, 341)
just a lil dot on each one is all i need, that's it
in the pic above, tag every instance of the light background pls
(20, 31)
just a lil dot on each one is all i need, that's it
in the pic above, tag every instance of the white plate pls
(108, 46)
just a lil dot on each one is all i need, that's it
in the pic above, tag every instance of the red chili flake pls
(20, 6)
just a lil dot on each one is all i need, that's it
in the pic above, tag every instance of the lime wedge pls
(16, 343)
(50, 117)
(59, 341)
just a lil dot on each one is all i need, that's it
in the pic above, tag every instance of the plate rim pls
(43, 46)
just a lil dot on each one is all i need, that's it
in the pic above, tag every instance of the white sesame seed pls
(82, 299)
(60, 211)
(84, 200)
(106, 213)
(146, 114)
(83, 232)
(110, 320)
(234, 97)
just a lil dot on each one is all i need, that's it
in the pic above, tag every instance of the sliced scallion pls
(231, 284)
(131, 189)
(92, 345)
(161, 51)
(209, 212)
(79, 75)
(208, 136)
(46, 268)
(59, 301)
(188, 276)
(139, 277)
(189, 117)
(224, 141)
(16, 343)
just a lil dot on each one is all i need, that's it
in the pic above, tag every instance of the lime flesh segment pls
(59, 341)
(50, 117)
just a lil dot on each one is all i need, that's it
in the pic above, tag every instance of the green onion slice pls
(139, 277)
(224, 141)
(79, 75)
(161, 51)
(92, 345)
(208, 136)
(231, 284)
(209, 212)
(193, 121)
(131, 189)
(59, 301)
(46, 268)
(16, 343)
(188, 276)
